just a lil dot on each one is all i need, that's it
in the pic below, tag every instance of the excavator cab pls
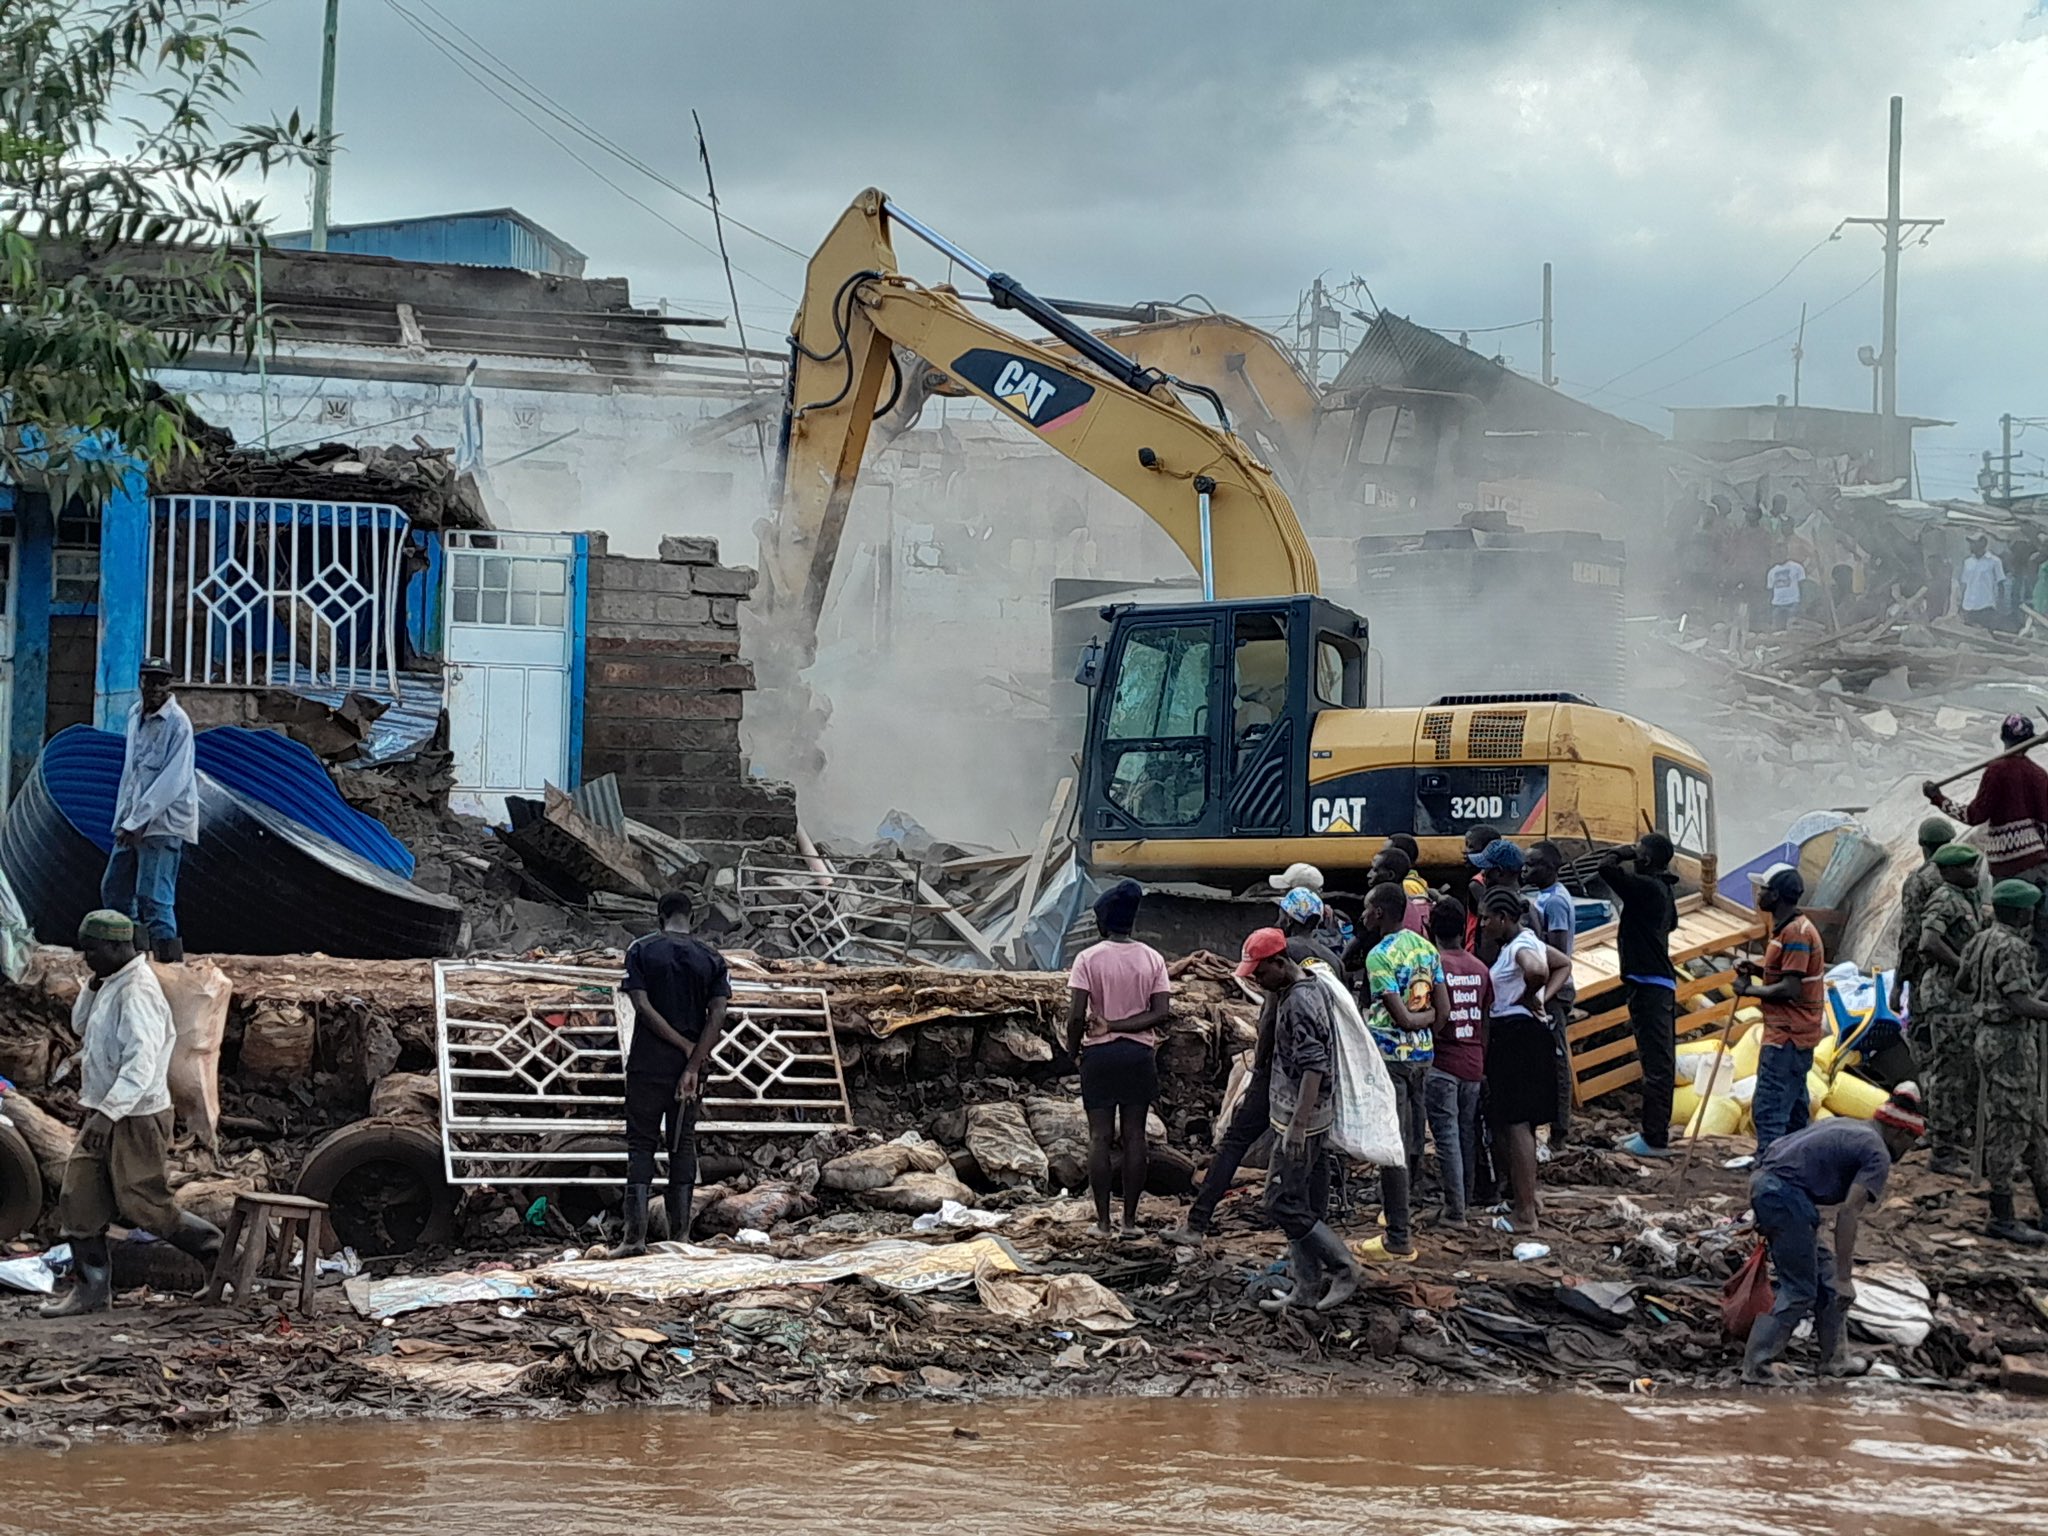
(1203, 713)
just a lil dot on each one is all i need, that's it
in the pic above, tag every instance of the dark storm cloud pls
(1671, 159)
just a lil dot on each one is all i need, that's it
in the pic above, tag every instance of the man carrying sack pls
(117, 1166)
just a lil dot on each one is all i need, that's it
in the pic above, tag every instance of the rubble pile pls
(420, 480)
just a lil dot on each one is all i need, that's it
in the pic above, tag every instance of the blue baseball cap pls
(1500, 855)
(1302, 904)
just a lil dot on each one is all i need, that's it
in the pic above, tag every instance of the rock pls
(1000, 1139)
(760, 1208)
(939, 1379)
(948, 1127)
(914, 1194)
(2024, 1375)
(277, 1045)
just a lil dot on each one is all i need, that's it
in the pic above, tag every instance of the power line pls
(514, 80)
(461, 62)
(1748, 351)
(1738, 309)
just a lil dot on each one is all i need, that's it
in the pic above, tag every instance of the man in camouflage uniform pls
(1944, 1027)
(2001, 980)
(1935, 834)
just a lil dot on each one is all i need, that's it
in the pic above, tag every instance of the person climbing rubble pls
(679, 987)
(2000, 980)
(1303, 1098)
(156, 813)
(1844, 1163)
(117, 1166)
(1944, 1031)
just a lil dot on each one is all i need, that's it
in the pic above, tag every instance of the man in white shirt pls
(155, 815)
(1982, 575)
(117, 1166)
(1784, 580)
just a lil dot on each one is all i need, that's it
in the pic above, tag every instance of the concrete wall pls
(664, 693)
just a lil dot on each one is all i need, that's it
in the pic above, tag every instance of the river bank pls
(1625, 1301)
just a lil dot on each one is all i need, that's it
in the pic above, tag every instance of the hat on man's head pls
(1498, 855)
(1264, 944)
(1935, 831)
(1955, 855)
(1303, 877)
(2016, 894)
(1903, 1109)
(1785, 883)
(155, 666)
(114, 927)
(1302, 904)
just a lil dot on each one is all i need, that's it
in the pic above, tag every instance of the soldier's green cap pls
(116, 926)
(1957, 853)
(2016, 894)
(1935, 831)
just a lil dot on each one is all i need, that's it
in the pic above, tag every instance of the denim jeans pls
(1454, 1126)
(142, 881)
(1804, 1270)
(1780, 1106)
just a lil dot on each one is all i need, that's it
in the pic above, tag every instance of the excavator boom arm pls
(1149, 446)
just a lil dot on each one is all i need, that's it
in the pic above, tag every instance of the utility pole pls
(1798, 354)
(1315, 332)
(2005, 430)
(323, 163)
(1894, 228)
(1549, 351)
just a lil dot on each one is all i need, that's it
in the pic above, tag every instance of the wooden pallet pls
(1602, 1045)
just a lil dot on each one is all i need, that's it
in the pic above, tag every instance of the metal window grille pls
(836, 914)
(532, 1067)
(1496, 735)
(252, 593)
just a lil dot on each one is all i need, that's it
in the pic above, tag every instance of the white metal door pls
(507, 610)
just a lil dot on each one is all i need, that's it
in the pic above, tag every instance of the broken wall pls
(664, 694)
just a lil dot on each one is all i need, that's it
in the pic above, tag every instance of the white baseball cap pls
(1297, 877)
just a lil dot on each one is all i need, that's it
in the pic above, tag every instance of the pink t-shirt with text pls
(1120, 980)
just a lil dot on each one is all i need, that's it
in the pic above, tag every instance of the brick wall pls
(663, 689)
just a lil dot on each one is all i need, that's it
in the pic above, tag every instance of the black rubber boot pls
(1308, 1279)
(1768, 1337)
(1329, 1248)
(634, 1242)
(1829, 1329)
(169, 951)
(92, 1285)
(1199, 1229)
(2006, 1228)
(197, 1236)
(679, 1199)
(1949, 1163)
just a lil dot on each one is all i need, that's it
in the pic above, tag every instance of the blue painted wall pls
(497, 238)
(124, 600)
(579, 651)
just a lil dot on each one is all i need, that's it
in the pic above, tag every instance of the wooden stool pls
(248, 1273)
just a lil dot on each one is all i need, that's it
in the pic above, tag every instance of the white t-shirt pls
(1783, 580)
(1981, 576)
(1509, 984)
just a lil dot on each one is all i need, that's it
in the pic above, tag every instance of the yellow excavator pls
(1226, 737)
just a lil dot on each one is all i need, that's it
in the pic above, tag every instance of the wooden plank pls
(980, 861)
(1034, 871)
(1690, 988)
(951, 917)
(1689, 1025)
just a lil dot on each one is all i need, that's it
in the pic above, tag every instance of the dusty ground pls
(1466, 1315)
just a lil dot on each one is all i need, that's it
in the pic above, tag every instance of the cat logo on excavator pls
(1041, 397)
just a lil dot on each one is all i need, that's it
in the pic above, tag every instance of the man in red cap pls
(1302, 1109)
(1844, 1163)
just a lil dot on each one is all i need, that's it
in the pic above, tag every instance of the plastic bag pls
(1747, 1296)
(1365, 1126)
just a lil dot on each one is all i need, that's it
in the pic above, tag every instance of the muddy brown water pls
(1807, 1464)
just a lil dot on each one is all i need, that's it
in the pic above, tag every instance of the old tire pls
(21, 1185)
(384, 1186)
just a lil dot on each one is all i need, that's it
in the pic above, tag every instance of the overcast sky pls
(1673, 160)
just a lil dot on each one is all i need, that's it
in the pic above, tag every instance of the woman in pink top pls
(1118, 1000)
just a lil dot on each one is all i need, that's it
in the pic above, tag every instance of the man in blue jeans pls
(1791, 990)
(156, 813)
(1843, 1163)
